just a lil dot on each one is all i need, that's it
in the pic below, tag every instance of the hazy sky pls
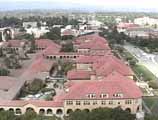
(147, 5)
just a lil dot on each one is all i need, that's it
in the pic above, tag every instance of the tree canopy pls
(68, 47)
(7, 115)
(102, 114)
(54, 34)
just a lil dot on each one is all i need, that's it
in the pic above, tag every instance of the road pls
(150, 61)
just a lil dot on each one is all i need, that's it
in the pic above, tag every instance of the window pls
(128, 102)
(78, 103)
(94, 102)
(49, 111)
(86, 103)
(91, 95)
(118, 95)
(69, 102)
(103, 102)
(47, 57)
(18, 111)
(41, 111)
(110, 102)
(103, 95)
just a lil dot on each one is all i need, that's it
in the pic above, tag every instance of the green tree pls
(132, 62)
(1, 52)
(33, 88)
(29, 115)
(25, 36)
(151, 117)
(68, 47)
(22, 29)
(0, 37)
(39, 25)
(4, 72)
(32, 46)
(12, 62)
(36, 85)
(54, 34)
(67, 37)
(7, 115)
(102, 114)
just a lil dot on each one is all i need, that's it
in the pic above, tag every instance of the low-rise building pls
(142, 32)
(99, 80)
(14, 45)
(29, 24)
(113, 91)
(37, 32)
(146, 21)
(91, 45)
(122, 27)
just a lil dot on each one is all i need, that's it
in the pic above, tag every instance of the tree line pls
(50, 21)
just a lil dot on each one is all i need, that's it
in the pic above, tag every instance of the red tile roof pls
(50, 50)
(95, 45)
(87, 59)
(79, 75)
(108, 64)
(44, 43)
(49, 46)
(93, 37)
(38, 66)
(127, 25)
(38, 103)
(113, 84)
(92, 42)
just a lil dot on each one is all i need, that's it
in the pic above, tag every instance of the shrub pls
(153, 84)
(4, 72)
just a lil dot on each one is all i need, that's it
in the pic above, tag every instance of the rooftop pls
(115, 83)
(44, 43)
(38, 103)
(14, 43)
(107, 64)
(79, 75)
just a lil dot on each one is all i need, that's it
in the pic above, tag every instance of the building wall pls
(138, 33)
(81, 66)
(62, 57)
(131, 77)
(83, 51)
(23, 109)
(96, 52)
(134, 104)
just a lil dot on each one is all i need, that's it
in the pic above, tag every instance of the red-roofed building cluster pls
(91, 45)
(122, 27)
(99, 79)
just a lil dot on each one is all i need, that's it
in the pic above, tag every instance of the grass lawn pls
(152, 103)
(141, 70)
(143, 73)
(128, 55)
